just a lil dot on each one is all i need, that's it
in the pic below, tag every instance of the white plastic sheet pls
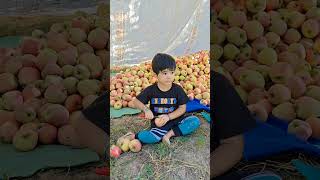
(141, 28)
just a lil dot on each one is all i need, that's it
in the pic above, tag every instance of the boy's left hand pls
(165, 118)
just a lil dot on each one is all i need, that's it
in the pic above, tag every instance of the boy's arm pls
(231, 119)
(178, 112)
(182, 100)
(226, 155)
(138, 104)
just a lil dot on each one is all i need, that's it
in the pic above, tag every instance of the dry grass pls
(186, 158)
(280, 164)
(84, 172)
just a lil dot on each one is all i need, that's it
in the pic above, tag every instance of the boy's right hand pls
(148, 114)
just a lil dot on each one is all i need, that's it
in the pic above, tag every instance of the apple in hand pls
(159, 122)
(300, 128)
(115, 151)
(135, 145)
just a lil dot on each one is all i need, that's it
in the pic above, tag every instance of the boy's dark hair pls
(163, 61)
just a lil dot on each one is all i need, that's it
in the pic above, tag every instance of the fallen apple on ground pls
(123, 143)
(115, 151)
(135, 145)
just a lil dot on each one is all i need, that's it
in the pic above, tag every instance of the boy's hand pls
(162, 120)
(165, 117)
(148, 114)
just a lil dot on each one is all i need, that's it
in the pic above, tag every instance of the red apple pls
(115, 151)
(47, 133)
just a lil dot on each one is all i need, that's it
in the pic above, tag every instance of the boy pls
(231, 118)
(167, 105)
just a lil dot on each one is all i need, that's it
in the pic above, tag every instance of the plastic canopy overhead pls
(141, 28)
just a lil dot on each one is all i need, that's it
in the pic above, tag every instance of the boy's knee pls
(189, 125)
(147, 137)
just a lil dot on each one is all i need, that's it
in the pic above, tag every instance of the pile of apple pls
(192, 73)
(50, 78)
(270, 52)
(124, 144)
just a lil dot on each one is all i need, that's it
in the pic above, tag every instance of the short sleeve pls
(231, 116)
(145, 95)
(182, 96)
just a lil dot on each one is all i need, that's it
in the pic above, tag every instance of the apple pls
(314, 122)
(47, 133)
(251, 79)
(225, 13)
(307, 107)
(135, 145)
(25, 113)
(117, 105)
(255, 6)
(115, 151)
(160, 122)
(278, 26)
(292, 36)
(267, 56)
(236, 36)
(254, 29)
(310, 28)
(8, 130)
(6, 116)
(300, 128)
(237, 18)
(273, 39)
(123, 143)
(67, 136)
(279, 93)
(263, 17)
(285, 111)
(34, 126)
(258, 111)
(25, 140)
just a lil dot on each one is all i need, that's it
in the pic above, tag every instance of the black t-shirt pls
(98, 112)
(163, 102)
(230, 116)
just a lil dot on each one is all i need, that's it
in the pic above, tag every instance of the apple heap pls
(192, 73)
(269, 50)
(125, 144)
(50, 78)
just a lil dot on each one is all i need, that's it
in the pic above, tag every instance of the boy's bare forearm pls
(226, 155)
(138, 104)
(178, 112)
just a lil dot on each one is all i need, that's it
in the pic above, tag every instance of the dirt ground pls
(186, 158)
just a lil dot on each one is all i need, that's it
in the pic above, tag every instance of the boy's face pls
(166, 76)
